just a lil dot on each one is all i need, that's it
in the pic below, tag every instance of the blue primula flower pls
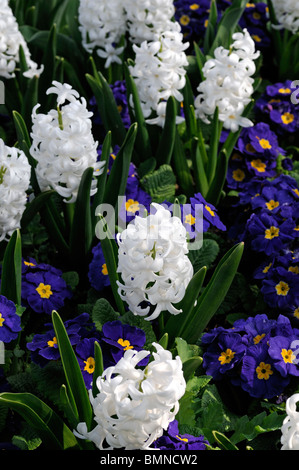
(10, 322)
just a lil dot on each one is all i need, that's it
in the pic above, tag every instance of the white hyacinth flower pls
(287, 14)
(63, 144)
(228, 83)
(153, 263)
(10, 41)
(15, 174)
(148, 19)
(159, 72)
(290, 427)
(102, 25)
(134, 406)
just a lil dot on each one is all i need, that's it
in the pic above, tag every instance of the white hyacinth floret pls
(290, 428)
(287, 14)
(159, 72)
(148, 19)
(135, 405)
(15, 174)
(10, 41)
(153, 263)
(102, 25)
(63, 144)
(228, 83)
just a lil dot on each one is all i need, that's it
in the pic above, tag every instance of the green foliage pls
(160, 184)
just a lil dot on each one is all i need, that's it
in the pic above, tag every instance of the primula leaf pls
(49, 426)
(160, 184)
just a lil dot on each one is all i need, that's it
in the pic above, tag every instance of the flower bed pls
(149, 181)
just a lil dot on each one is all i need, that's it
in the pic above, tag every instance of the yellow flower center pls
(266, 269)
(256, 16)
(194, 6)
(282, 288)
(258, 338)
(287, 118)
(27, 263)
(271, 232)
(104, 269)
(132, 206)
(89, 365)
(182, 438)
(258, 165)
(210, 210)
(284, 91)
(184, 20)
(2, 320)
(294, 269)
(44, 291)
(264, 143)
(264, 371)
(288, 356)
(296, 312)
(53, 342)
(238, 175)
(296, 191)
(226, 356)
(189, 219)
(256, 38)
(125, 344)
(272, 204)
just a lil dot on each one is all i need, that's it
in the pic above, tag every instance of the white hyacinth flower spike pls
(63, 144)
(153, 263)
(15, 172)
(134, 405)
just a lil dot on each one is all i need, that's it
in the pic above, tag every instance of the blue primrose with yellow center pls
(10, 322)
(44, 291)
(268, 234)
(172, 439)
(44, 346)
(282, 349)
(97, 271)
(255, 329)
(118, 337)
(223, 355)
(209, 212)
(85, 356)
(280, 288)
(258, 375)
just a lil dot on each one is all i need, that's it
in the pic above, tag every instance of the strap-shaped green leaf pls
(81, 234)
(48, 425)
(213, 294)
(77, 391)
(12, 269)
(166, 144)
(177, 323)
(143, 143)
(214, 194)
(101, 179)
(117, 181)
(199, 171)
(181, 168)
(110, 251)
(98, 368)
